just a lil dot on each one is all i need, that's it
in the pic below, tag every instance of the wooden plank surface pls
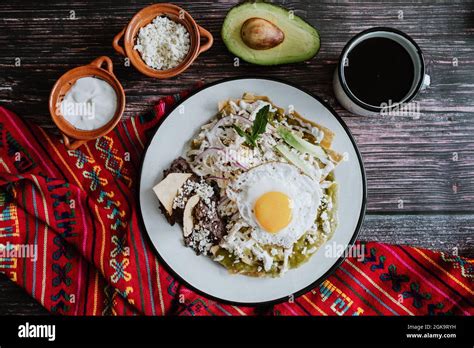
(420, 170)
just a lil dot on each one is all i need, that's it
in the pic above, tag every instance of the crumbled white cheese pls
(324, 216)
(219, 258)
(259, 104)
(327, 184)
(263, 256)
(202, 188)
(235, 241)
(244, 105)
(286, 255)
(326, 227)
(200, 240)
(330, 205)
(163, 44)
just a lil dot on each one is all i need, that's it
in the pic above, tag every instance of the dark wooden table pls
(420, 170)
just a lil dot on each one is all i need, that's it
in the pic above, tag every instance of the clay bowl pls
(100, 68)
(143, 18)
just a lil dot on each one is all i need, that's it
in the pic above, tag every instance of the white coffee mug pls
(353, 104)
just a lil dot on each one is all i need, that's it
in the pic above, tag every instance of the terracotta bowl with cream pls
(87, 102)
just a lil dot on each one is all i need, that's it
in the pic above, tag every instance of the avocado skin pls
(238, 48)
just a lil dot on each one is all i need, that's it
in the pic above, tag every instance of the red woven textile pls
(92, 258)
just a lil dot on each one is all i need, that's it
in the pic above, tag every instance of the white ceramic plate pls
(200, 272)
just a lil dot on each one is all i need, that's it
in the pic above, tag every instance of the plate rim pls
(338, 262)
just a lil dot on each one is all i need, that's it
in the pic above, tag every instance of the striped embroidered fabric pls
(80, 209)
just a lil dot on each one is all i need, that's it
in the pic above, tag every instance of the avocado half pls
(301, 41)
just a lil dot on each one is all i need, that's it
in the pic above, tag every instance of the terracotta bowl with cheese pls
(124, 42)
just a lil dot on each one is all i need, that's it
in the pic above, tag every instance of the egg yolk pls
(273, 211)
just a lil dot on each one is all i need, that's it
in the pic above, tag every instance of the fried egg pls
(277, 201)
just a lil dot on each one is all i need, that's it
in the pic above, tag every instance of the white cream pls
(89, 104)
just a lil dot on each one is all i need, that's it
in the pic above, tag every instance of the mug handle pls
(209, 39)
(72, 145)
(98, 62)
(115, 43)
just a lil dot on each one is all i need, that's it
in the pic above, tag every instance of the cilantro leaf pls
(261, 120)
(258, 127)
(248, 138)
(238, 130)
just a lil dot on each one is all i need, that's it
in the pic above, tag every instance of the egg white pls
(304, 192)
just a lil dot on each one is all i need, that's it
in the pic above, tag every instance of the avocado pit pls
(260, 34)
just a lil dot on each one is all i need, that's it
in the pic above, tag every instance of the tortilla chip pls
(188, 221)
(336, 157)
(328, 134)
(250, 98)
(167, 189)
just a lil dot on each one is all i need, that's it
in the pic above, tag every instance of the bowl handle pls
(98, 62)
(209, 39)
(72, 145)
(115, 43)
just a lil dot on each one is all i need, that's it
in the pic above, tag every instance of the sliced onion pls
(212, 136)
(237, 163)
(240, 165)
(223, 121)
(213, 139)
(207, 152)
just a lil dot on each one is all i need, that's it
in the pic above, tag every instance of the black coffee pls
(379, 70)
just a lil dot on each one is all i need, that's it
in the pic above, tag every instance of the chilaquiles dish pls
(255, 189)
